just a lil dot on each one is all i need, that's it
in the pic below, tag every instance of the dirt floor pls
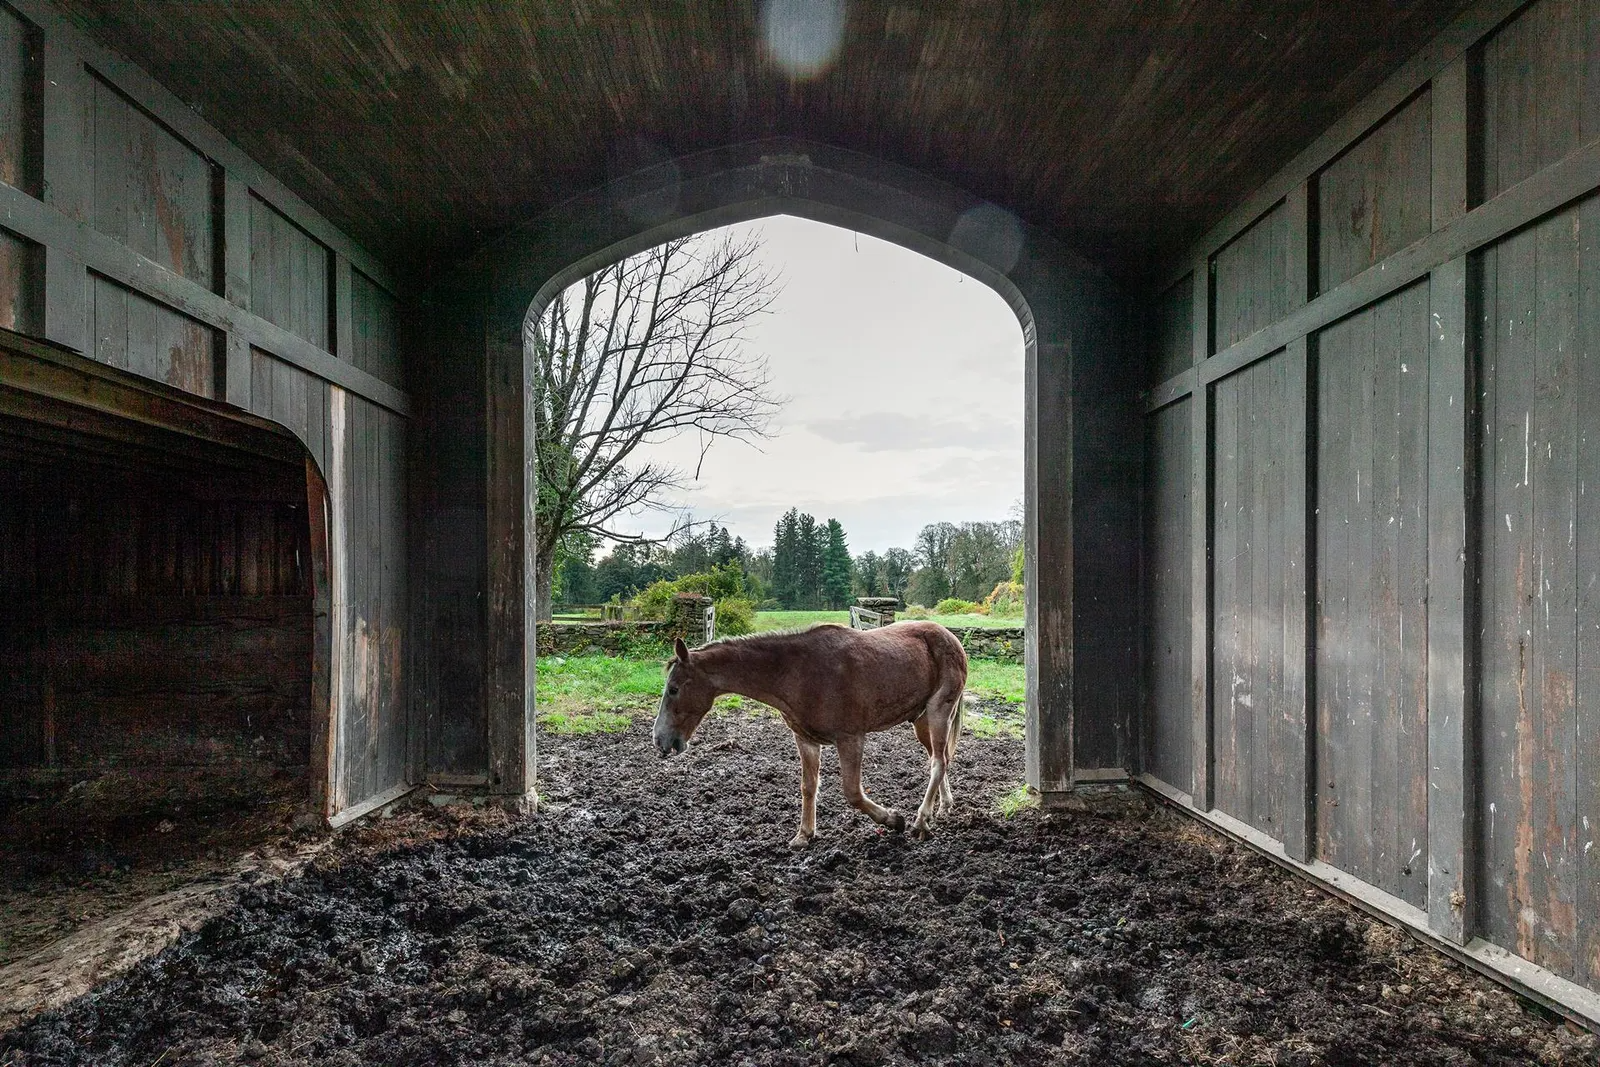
(651, 914)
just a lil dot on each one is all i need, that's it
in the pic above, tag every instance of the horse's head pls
(684, 702)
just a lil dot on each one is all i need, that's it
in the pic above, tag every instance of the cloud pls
(896, 431)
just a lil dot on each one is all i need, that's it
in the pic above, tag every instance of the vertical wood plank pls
(1586, 756)
(235, 226)
(1453, 772)
(1299, 491)
(1200, 532)
(343, 312)
(68, 173)
(1449, 148)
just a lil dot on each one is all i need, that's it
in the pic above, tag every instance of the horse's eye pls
(672, 690)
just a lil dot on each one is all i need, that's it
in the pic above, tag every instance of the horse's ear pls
(681, 649)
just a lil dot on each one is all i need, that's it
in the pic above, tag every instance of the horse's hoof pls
(800, 843)
(897, 822)
(921, 832)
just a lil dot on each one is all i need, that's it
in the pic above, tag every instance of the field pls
(792, 620)
(597, 694)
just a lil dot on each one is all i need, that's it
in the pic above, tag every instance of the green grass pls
(1018, 800)
(569, 684)
(794, 620)
(581, 723)
(991, 677)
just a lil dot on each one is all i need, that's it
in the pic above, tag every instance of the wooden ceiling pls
(1126, 126)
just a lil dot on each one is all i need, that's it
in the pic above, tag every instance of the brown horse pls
(833, 686)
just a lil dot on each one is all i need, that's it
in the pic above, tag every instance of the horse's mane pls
(757, 638)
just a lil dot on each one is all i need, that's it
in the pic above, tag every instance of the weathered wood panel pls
(1377, 197)
(21, 284)
(1540, 694)
(1371, 595)
(1541, 92)
(1251, 609)
(1173, 332)
(370, 493)
(1167, 740)
(290, 275)
(289, 396)
(143, 623)
(1252, 283)
(136, 334)
(374, 345)
(150, 190)
(21, 95)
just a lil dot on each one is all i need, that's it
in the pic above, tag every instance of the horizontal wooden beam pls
(1466, 31)
(111, 259)
(187, 124)
(44, 373)
(1549, 190)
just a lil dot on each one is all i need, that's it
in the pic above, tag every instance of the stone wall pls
(1003, 644)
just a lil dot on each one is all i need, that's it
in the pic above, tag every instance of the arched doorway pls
(1082, 447)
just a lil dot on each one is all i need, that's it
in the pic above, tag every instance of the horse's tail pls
(956, 722)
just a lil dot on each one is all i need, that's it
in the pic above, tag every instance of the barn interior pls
(1310, 302)
(156, 633)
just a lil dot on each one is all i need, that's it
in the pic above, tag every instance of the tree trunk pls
(544, 567)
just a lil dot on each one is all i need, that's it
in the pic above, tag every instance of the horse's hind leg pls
(849, 747)
(947, 800)
(810, 774)
(940, 717)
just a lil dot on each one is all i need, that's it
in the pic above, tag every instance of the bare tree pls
(642, 351)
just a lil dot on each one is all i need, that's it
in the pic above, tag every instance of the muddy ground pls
(653, 915)
(78, 848)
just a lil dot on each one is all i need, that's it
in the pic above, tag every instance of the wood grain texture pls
(1173, 332)
(1536, 333)
(990, 97)
(1251, 280)
(1249, 604)
(1372, 567)
(1167, 569)
(289, 276)
(139, 335)
(150, 190)
(166, 612)
(1377, 197)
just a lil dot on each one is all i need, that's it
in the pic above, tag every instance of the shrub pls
(1005, 601)
(735, 616)
(724, 585)
(952, 606)
(915, 611)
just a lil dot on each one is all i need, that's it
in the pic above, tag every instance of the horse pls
(833, 685)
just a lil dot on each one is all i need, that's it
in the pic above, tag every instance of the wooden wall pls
(151, 617)
(135, 234)
(1376, 393)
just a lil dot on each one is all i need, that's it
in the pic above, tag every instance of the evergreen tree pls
(785, 560)
(810, 540)
(835, 566)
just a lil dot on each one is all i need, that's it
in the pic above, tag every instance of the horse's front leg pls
(810, 775)
(850, 771)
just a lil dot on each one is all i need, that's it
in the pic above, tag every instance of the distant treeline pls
(808, 567)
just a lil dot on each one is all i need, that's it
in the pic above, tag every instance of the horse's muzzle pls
(667, 745)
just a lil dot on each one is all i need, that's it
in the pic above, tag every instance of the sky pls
(904, 380)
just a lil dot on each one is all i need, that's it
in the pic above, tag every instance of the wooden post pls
(1452, 758)
(68, 177)
(511, 635)
(1200, 541)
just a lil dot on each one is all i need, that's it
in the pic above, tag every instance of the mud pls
(652, 914)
